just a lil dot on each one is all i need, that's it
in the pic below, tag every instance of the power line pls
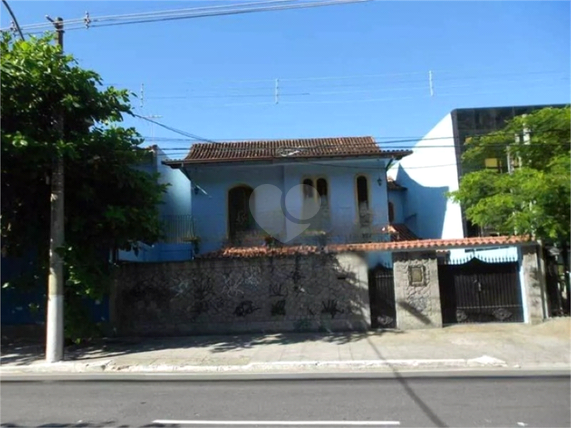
(178, 131)
(417, 96)
(151, 14)
(233, 9)
(220, 83)
(14, 20)
(395, 140)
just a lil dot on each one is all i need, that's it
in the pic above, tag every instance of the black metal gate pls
(382, 298)
(477, 291)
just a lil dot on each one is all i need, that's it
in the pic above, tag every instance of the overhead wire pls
(158, 13)
(270, 94)
(239, 11)
(460, 73)
(14, 19)
(172, 129)
(383, 145)
(232, 9)
(376, 88)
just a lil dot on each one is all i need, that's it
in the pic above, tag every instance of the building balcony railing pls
(178, 229)
(182, 229)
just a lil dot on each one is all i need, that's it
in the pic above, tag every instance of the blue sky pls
(357, 69)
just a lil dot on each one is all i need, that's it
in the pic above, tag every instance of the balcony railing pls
(183, 229)
(178, 229)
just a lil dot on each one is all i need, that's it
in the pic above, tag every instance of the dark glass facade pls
(479, 121)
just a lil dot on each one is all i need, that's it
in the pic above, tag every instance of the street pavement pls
(482, 346)
(453, 401)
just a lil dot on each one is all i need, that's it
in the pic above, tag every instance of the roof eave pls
(385, 154)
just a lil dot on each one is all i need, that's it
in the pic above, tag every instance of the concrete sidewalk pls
(519, 346)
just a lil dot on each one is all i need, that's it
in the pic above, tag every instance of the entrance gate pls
(382, 298)
(477, 291)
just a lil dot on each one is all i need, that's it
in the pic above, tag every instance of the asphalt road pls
(419, 402)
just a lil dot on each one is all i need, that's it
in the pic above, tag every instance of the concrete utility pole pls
(54, 324)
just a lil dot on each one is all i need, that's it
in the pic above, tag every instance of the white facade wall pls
(428, 174)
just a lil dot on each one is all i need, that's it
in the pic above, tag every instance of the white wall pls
(429, 173)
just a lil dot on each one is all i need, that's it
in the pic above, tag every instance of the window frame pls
(314, 179)
(356, 192)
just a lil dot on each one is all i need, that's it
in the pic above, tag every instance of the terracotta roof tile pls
(239, 151)
(438, 245)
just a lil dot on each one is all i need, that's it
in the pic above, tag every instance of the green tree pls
(110, 204)
(531, 198)
(528, 190)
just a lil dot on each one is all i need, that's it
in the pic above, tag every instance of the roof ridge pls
(280, 140)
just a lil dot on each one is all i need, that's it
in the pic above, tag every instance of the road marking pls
(278, 423)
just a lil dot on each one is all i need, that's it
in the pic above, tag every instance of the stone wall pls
(417, 292)
(532, 283)
(219, 296)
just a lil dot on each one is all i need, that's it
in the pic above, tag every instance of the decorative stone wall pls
(417, 292)
(534, 298)
(220, 296)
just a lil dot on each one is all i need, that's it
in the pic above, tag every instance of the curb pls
(109, 366)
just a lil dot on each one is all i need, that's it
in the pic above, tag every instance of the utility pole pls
(54, 324)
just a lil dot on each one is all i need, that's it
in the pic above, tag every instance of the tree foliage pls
(109, 203)
(531, 198)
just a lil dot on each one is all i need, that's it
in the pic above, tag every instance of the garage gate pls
(478, 292)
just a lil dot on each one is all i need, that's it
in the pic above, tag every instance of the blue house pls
(303, 191)
(174, 212)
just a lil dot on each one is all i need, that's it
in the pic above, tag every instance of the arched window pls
(308, 188)
(391, 212)
(316, 191)
(240, 218)
(322, 191)
(362, 190)
(363, 200)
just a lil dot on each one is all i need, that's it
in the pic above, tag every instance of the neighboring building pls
(237, 189)
(470, 122)
(435, 168)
